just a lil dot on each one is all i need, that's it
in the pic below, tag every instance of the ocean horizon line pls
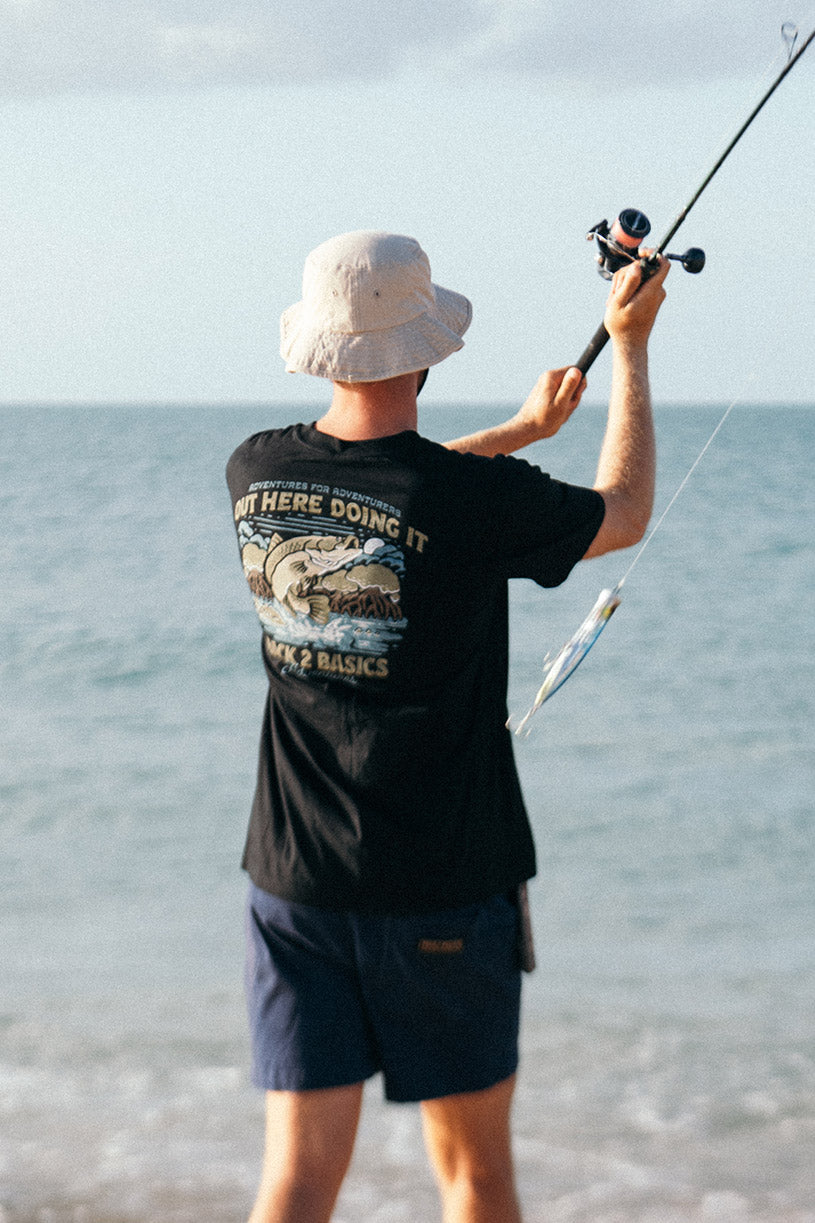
(317, 405)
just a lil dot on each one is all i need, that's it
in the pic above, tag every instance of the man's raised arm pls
(626, 470)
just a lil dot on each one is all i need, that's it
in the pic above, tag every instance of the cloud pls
(49, 46)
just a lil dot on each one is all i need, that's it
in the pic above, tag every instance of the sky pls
(166, 166)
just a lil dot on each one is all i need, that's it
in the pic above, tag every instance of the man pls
(388, 842)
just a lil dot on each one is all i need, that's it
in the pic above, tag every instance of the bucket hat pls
(370, 311)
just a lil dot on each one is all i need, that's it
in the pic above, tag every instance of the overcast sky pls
(167, 165)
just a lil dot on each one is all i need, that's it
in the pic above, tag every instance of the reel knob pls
(693, 259)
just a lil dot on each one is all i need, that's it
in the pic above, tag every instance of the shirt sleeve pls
(546, 525)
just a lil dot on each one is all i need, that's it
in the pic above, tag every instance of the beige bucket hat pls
(370, 311)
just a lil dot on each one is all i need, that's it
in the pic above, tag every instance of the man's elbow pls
(624, 525)
(633, 525)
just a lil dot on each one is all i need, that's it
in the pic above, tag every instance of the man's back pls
(379, 573)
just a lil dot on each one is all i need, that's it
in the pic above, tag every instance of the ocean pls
(668, 1049)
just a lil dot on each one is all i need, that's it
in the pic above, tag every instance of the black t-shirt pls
(386, 780)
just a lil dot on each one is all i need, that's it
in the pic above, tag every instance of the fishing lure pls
(619, 244)
(558, 669)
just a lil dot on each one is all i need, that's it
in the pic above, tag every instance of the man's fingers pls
(631, 276)
(629, 280)
(572, 386)
(626, 283)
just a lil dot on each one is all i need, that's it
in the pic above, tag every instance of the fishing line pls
(690, 472)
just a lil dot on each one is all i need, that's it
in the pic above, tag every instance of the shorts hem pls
(275, 1083)
(395, 1095)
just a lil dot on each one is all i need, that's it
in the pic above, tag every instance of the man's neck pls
(361, 411)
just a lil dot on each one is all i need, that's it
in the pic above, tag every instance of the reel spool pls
(619, 244)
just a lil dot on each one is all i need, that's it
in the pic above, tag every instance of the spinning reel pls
(619, 244)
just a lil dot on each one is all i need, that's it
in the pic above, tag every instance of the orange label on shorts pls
(441, 946)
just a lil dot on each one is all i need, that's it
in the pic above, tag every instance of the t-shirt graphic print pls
(325, 575)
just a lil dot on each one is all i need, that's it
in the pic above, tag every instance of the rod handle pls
(593, 349)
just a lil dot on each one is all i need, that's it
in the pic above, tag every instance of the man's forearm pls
(627, 460)
(626, 470)
(505, 438)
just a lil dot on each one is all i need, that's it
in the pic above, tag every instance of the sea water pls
(668, 1060)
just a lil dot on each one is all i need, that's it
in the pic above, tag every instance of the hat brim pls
(372, 356)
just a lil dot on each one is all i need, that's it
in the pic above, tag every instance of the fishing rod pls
(619, 243)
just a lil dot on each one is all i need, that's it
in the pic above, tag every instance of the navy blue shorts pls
(432, 1000)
